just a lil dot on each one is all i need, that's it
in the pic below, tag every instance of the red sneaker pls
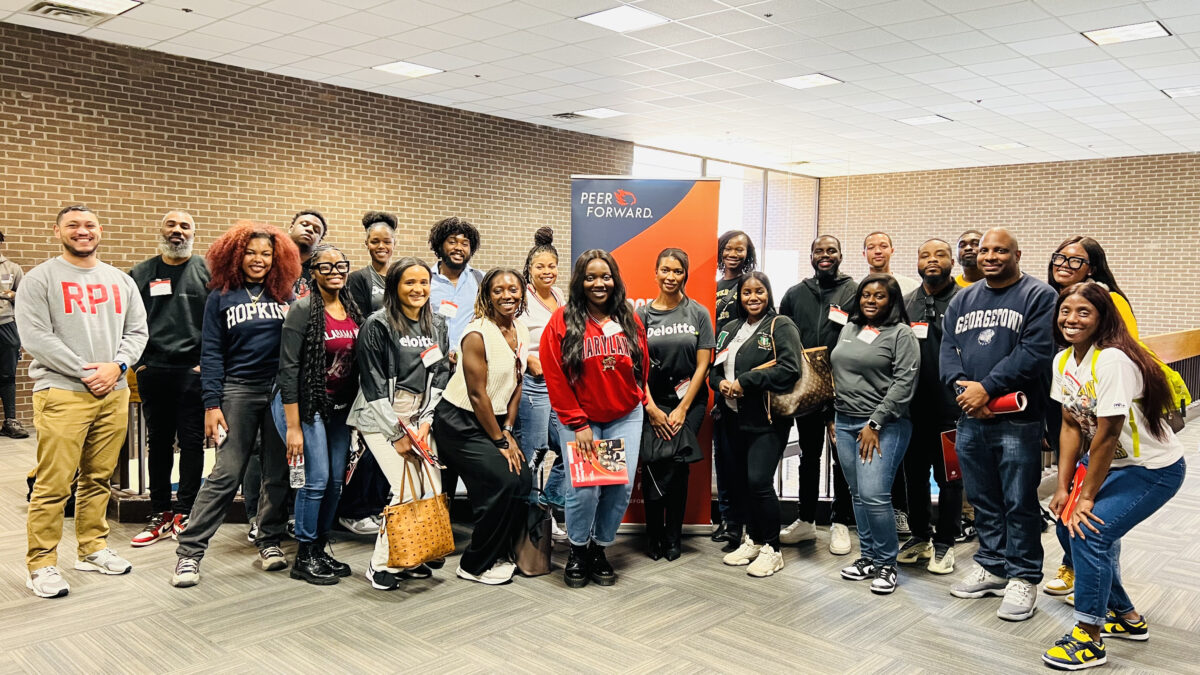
(160, 526)
(179, 524)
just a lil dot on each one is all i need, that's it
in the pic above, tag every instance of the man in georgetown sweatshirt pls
(84, 324)
(998, 340)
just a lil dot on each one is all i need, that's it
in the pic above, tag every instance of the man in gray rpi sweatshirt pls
(84, 323)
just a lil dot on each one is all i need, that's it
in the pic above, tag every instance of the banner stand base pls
(634, 528)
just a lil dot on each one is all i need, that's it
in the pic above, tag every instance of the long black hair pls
(543, 242)
(1097, 264)
(682, 257)
(1112, 333)
(391, 298)
(739, 311)
(751, 260)
(313, 399)
(575, 313)
(896, 312)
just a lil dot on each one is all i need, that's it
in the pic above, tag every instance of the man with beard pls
(968, 256)
(308, 228)
(926, 306)
(998, 340)
(820, 306)
(455, 284)
(174, 288)
(84, 324)
(877, 249)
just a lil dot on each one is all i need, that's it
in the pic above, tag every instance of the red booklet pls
(607, 468)
(1009, 403)
(1076, 486)
(950, 456)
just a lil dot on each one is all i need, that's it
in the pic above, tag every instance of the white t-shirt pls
(537, 315)
(1116, 390)
(735, 344)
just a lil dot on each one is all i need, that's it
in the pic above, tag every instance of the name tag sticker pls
(448, 309)
(838, 315)
(682, 388)
(920, 329)
(611, 328)
(431, 356)
(160, 287)
(868, 334)
(721, 356)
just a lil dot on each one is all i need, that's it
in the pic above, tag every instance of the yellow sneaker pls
(1062, 584)
(1076, 651)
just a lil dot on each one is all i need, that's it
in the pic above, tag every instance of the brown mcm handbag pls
(419, 529)
(811, 392)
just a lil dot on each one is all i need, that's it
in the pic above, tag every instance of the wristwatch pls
(875, 426)
(508, 428)
(122, 365)
(501, 443)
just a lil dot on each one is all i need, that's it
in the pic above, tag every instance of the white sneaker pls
(187, 572)
(915, 550)
(797, 532)
(978, 583)
(366, 525)
(902, 528)
(943, 563)
(498, 574)
(47, 582)
(768, 562)
(839, 539)
(743, 554)
(557, 534)
(104, 561)
(1020, 601)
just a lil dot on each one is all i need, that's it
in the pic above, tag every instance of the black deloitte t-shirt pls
(674, 336)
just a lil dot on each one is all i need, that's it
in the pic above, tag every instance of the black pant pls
(664, 516)
(756, 454)
(499, 497)
(174, 410)
(925, 451)
(247, 410)
(368, 490)
(811, 431)
(10, 354)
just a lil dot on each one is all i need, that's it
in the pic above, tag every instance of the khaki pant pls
(75, 431)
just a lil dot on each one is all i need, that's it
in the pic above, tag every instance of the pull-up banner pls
(635, 219)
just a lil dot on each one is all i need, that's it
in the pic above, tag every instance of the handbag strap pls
(412, 488)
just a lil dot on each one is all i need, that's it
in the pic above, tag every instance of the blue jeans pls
(537, 431)
(326, 447)
(1128, 496)
(871, 484)
(594, 513)
(1001, 463)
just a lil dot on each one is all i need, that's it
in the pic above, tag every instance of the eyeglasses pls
(328, 268)
(1074, 262)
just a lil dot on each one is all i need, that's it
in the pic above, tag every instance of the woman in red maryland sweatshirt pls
(595, 361)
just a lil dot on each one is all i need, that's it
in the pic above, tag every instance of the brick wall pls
(133, 133)
(1145, 211)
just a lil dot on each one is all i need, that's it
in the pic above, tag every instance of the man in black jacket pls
(937, 413)
(819, 306)
(174, 288)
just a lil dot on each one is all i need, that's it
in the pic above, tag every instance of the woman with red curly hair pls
(253, 268)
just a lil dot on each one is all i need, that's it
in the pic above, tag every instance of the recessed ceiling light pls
(104, 6)
(624, 19)
(926, 119)
(1005, 146)
(407, 69)
(599, 113)
(1136, 31)
(807, 81)
(1181, 92)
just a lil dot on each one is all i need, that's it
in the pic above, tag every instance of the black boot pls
(673, 541)
(719, 533)
(654, 530)
(308, 567)
(733, 538)
(600, 571)
(576, 573)
(320, 549)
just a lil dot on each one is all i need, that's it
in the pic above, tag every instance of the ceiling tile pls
(370, 25)
(680, 9)
(215, 9)
(834, 23)
(896, 11)
(518, 15)
(282, 22)
(728, 21)
(315, 10)
(164, 16)
(414, 12)
(142, 29)
(1059, 43)
(338, 37)
(761, 38)
(238, 31)
(996, 16)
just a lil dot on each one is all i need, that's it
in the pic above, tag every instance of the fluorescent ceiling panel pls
(808, 81)
(1136, 31)
(1181, 92)
(407, 69)
(103, 6)
(624, 19)
(600, 113)
(926, 119)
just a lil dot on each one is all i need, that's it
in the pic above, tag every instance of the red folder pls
(949, 456)
(1009, 403)
(1077, 484)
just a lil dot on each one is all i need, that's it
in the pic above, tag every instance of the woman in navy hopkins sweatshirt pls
(253, 269)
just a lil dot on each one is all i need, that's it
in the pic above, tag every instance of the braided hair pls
(543, 242)
(313, 399)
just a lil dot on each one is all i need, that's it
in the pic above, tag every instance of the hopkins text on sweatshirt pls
(242, 329)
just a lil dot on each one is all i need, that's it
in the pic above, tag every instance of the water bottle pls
(296, 473)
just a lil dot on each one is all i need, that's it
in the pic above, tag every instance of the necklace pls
(254, 298)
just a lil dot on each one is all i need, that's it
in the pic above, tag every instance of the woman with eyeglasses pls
(253, 270)
(1076, 260)
(316, 384)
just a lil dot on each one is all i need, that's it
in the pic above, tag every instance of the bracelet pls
(214, 407)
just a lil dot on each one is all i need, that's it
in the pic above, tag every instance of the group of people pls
(271, 348)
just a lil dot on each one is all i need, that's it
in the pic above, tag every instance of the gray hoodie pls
(68, 316)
